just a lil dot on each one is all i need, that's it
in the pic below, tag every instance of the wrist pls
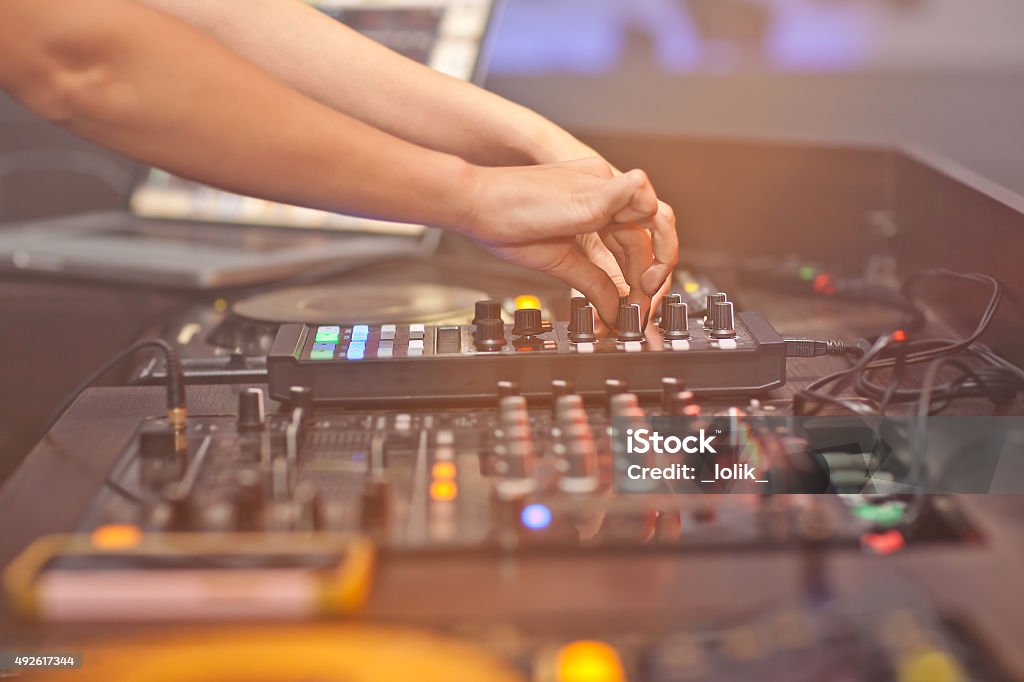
(465, 201)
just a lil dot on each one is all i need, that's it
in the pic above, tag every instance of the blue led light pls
(356, 350)
(360, 332)
(536, 516)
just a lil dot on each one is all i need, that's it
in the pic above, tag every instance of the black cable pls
(175, 378)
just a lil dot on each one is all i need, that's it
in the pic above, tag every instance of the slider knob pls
(487, 309)
(627, 326)
(528, 322)
(723, 325)
(711, 301)
(581, 325)
(675, 322)
(250, 410)
(665, 302)
(490, 335)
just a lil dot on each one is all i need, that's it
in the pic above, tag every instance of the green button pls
(321, 355)
(327, 337)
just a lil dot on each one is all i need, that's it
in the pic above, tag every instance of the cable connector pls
(812, 348)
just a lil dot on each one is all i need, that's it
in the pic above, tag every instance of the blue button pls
(356, 350)
(360, 332)
(324, 346)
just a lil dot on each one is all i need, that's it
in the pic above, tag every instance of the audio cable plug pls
(812, 348)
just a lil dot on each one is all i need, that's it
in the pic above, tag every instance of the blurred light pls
(930, 665)
(444, 471)
(691, 287)
(899, 336)
(807, 272)
(116, 536)
(443, 491)
(220, 305)
(888, 542)
(536, 516)
(527, 301)
(589, 661)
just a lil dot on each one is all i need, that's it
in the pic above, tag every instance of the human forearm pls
(162, 92)
(350, 73)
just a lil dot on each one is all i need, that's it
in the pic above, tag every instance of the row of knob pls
(674, 321)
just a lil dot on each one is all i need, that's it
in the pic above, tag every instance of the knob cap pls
(574, 303)
(675, 322)
(528, 322)
(490, 335)
(582, 325)
(487, 309)
(665, 302)
(712, 299)
(670, 386)
(722, 324)
(627, 326)
(250, 409)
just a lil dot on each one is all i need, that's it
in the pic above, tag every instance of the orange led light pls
(589, 661)
(116, 536)
(443, 491)
(444, 471)
(883, 543)
(899, 336)
(527, 301)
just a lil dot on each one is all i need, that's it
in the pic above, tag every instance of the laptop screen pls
(448, 35)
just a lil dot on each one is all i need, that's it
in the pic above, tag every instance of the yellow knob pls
(589, 661)
(930, 665)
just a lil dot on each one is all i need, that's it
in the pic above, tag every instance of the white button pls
(414, 328)
(727, 344)
(584, 348)
(386, 328)
(385, 351)
(416, 344)
(414, 352)
(680, 345)
(633, 346)
(445, 437)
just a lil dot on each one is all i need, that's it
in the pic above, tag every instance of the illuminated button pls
(360, 332)
(321, 354)
(633, 346)
(527, 301)
(324, 346)
(691, 287)
(416, 344)
(443, 491)
(727, 344)
(679, 345)
(356, 350)
(116, 536)
(584, 347)
(443, 470)
(328, 334)
(589, 661)
(536, 516)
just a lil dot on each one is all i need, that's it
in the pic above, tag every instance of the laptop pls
(182, 234)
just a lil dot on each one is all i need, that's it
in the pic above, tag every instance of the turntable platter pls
(359, 303)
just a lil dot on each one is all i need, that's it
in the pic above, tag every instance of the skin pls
(213, 90)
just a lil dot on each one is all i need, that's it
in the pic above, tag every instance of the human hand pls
(604, 235)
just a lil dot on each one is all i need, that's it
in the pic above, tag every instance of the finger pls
(592, 281)
(643, 205)
(631, 246)
(665, 249)
(613, 197)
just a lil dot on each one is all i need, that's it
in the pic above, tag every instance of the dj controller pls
(455, 487)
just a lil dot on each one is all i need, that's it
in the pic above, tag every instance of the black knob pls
(528, 322)
(675, 322)
(487, 309)
(627, 326)
(574, 303)
(490, 335)
(665, 302)
(711, 301)
(157, 442)
(250, 409)
(722, 324)
(582, 325)
(300, 397)
(507, 388)
(560, 387)
(623, 404)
